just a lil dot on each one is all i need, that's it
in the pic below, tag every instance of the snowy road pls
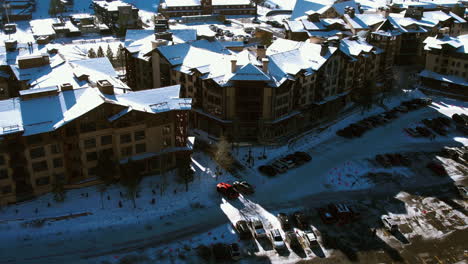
(284, 191)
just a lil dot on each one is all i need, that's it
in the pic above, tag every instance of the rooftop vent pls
(66, 87)
(105, 87)
(38, 92)
(10, 44)
(33, 61)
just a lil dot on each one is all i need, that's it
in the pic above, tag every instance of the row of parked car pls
(430, 127)
(359, 128)
(392, 159)
(285, 163)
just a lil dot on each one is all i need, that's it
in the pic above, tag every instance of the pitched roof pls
(249, 72)
(307, 7)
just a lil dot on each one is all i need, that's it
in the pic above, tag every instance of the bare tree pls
(222, 155)
(130, 178)
(59, 190)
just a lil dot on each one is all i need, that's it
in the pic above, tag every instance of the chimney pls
(105, 87)
(66, 87)
(158, 43)
(10, 44)
(164, 35)
(261, 52)
(324, 49)
(265, 62)
(233, 65)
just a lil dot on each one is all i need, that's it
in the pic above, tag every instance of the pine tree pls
(58, 190)
(100, 52)
(92, 53)
(110, 54)
(119, 59)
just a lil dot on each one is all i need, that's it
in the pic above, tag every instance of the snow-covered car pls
(243, 229)
(243, 187)
(389, 223)
(284, 221)
(257, 228)
(463, 191)
(309, 238)
(303, 156)
(277, 240)
(234, 249)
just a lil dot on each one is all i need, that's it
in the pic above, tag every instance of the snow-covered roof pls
(459, 44)
(111, 5)
(307, 7)
(444, 78)
(182, 3)
(250, 72)
(354, 48)
(48, 113)
(138, 41)
(370, 19)
(355, 22)
(442, 16)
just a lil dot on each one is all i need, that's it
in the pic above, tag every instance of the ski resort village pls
(233, 131)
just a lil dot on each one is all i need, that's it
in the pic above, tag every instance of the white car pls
(310, 239)
(277, 240)
(257, 228)
(389, 223)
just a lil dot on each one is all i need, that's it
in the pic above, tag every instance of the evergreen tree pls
(130, 178)
(92, 53)
(110, 54)
(100, 52)
(119, 59)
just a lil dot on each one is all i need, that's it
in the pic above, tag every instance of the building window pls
(125, 138)
(91, 156)
(55, 149)
(58, 163)
(6, 189)
(42, 181)
(90, 143)
(87, 127)
(37, 152)
(106, 140)
(39, 166)
(2, 160)
(3, 174)
(34, 139)
(140, 148)
(126, 151)
(139, 135)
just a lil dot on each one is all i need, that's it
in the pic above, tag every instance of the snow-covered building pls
(60, 135)
(446, 65)
(446, 18)
(256, 94)
(179, 8)
(117, 15)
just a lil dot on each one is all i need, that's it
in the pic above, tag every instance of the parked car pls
(389, 223)
(424, 131)
(284, 221)
(303, 155)
(293, 240)
(460, 119)
(277, 240)
(234, 249)
(343, 213)
(423, 101)
(326, 216)
(227, 190)
(249, 30)
(383, 161)
(243, 229)
(463, 191)
(287, 162)
(298, 161)
(243, 187)
(279, 167)
(402, 108)
(267, 170)
(301, 220)
(257, 228)
(227, 22)
(310, 239)
(412, 132)
(437, 168)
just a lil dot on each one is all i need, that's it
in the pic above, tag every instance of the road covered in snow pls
(334, 174)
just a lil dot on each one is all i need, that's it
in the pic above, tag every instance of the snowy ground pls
(113, 230)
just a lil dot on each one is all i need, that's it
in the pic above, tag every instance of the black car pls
(243, 229)
(243, 187)
(267, 170)
(301, 220)
(303, 155)
(284, 221)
